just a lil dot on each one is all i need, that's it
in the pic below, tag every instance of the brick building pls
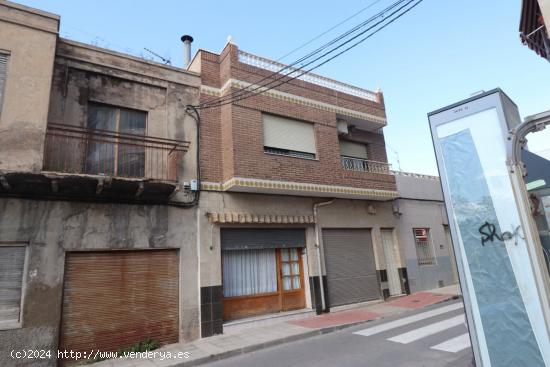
(270, 163)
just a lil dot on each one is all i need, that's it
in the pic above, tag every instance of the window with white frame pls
(3, 76)
(12, 265)
(424, 248)
(286, 136)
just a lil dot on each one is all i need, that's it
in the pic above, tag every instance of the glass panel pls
(100, 156)
(131, 158)
(286, 269)
(294, 254)
(284, 254)
(483, 207)
(296, 282)
(295, 268)
(286, 284)
(247, 272)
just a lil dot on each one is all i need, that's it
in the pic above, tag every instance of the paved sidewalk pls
(262, 336)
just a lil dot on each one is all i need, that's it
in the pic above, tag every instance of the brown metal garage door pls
(351, 271)
(112, 300)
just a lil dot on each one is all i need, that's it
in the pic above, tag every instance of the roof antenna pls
(164, 60)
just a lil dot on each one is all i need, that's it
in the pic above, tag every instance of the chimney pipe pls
(186, 39)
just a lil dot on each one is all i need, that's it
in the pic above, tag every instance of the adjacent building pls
(533, 28)
(98, 242)
(104, 242)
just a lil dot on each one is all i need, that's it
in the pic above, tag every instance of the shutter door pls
(351, 271)
(12, 263)
(3, 75)
(115, 299)
(262, 238)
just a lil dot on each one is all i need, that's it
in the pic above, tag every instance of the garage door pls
(351, 271)
(115, 299)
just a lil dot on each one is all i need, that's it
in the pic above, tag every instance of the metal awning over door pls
(350, 266)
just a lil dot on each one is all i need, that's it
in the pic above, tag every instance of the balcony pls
(363, 165)
(77, 150)
(101, 165)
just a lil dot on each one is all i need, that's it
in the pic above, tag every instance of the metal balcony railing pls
(363, 165)
(77, 150)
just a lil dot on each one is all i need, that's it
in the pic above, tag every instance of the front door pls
(394, 283)
(292, 294)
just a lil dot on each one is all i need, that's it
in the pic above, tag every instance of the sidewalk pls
(244, 340)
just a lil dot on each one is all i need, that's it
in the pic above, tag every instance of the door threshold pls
(267, 319)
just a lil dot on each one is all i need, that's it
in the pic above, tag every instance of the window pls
(288, 137)
(121, 157)
(12, 264)
(248, 272)
(424, 249)
(290, 269)
(3, 76)
(353, 150)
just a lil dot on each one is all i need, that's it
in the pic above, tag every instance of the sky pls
(440, 53)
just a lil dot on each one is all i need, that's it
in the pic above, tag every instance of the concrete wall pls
(52, 228)
(85, 74)
(421, 206)
(29, 37)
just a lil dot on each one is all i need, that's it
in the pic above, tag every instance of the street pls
(434, 336)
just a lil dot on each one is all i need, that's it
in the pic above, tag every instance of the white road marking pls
(454, 345)
(408, 320)
(425, 331)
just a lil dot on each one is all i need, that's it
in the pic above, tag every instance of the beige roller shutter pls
(351, 271)
(351, 149)
(288, 134)
(12, 264)
(115, 299)
(3, 76)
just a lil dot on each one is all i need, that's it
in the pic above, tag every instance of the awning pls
(215, 217)
(262, 238)
(532, 32)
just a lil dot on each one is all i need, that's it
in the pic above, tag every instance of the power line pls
(328, 30)
(389, 20)
(277, 74)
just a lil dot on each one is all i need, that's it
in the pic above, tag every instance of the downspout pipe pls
(318, 248)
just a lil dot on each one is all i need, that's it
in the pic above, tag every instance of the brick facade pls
(232, 135)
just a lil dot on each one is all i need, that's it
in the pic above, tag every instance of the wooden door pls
(394, 283)
(292, 279)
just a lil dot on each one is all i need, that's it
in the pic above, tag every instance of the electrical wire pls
(277, 74)
(328, 30)
(389, 21)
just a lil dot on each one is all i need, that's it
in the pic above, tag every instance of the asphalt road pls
(434, 337)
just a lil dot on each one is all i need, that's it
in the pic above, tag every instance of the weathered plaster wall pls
(30, 40)
(51, 228)
(425, 214)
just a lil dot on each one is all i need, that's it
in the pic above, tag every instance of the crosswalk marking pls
(425, 331)
(408, 320)
(454, 345)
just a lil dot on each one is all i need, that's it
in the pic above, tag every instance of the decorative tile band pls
(233, 83)
(238, 182)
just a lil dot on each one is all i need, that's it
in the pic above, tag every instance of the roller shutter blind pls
(351, 271)
(288, 134)
(115, 299)
(352, 149)
(3, 76)
(262, 238)
(12, 264)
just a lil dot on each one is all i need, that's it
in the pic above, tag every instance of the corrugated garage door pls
(351, 271)
(112, 300)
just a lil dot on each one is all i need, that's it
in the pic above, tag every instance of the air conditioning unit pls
(421, 234)
(342, 127)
